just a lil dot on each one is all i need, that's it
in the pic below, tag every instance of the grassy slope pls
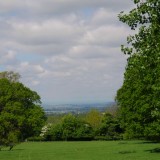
(94, 150)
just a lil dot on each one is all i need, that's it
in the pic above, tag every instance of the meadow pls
(93, 150)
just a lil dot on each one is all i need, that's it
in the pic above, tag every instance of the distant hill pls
(75, 108)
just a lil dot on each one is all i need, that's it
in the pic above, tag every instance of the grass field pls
(94, 150)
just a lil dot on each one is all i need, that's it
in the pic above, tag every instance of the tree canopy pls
(139, 96)
(10, 75)
(20, 113)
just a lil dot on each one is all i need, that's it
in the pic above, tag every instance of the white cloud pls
(75, 45)
(46, 32)
(8, 57)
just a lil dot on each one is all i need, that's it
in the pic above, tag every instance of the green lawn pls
(94, 150)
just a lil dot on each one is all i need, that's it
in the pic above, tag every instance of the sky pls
(68, 51)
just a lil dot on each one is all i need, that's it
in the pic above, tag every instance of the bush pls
(74, 129)
(109, 138)
(110, 128)
(54, 133)
(35, 139)
(70, 129)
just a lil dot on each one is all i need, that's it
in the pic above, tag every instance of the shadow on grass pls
(7, 150)
(126, 152)
(146, 142)
(123, 142)
(155, 150)
(149, 142)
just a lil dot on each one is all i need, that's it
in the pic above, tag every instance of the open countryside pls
(67, 57)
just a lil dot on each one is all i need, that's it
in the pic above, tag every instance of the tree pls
(10, 75)
(139, 95)
(71, 128)
(94, 117)
(110, 127)
(20, 113)
(55, 133)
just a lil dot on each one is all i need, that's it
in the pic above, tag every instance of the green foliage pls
(35, 139)
(55, 118)
(113, 110)
(139, 95)
(20, 113)
(71, 128)
(110, 128)
(54, 133)
(94, 118)
(10, 75)
(75, 129)
(69, 125)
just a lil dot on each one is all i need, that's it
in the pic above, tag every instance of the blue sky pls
(68, 51)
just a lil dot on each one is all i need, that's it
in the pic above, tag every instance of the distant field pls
(94, 150)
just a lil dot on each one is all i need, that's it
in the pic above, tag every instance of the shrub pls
(35, 139)
(54, 133)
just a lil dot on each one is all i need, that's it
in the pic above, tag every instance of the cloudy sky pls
(66, 50)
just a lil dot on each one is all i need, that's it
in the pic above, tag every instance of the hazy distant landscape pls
(75, 108)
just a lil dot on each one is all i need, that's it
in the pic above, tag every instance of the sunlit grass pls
(93, 150)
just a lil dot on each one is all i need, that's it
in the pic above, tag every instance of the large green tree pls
(139, 96)
(20, 113)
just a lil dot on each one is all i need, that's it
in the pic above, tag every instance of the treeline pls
(93, 125)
